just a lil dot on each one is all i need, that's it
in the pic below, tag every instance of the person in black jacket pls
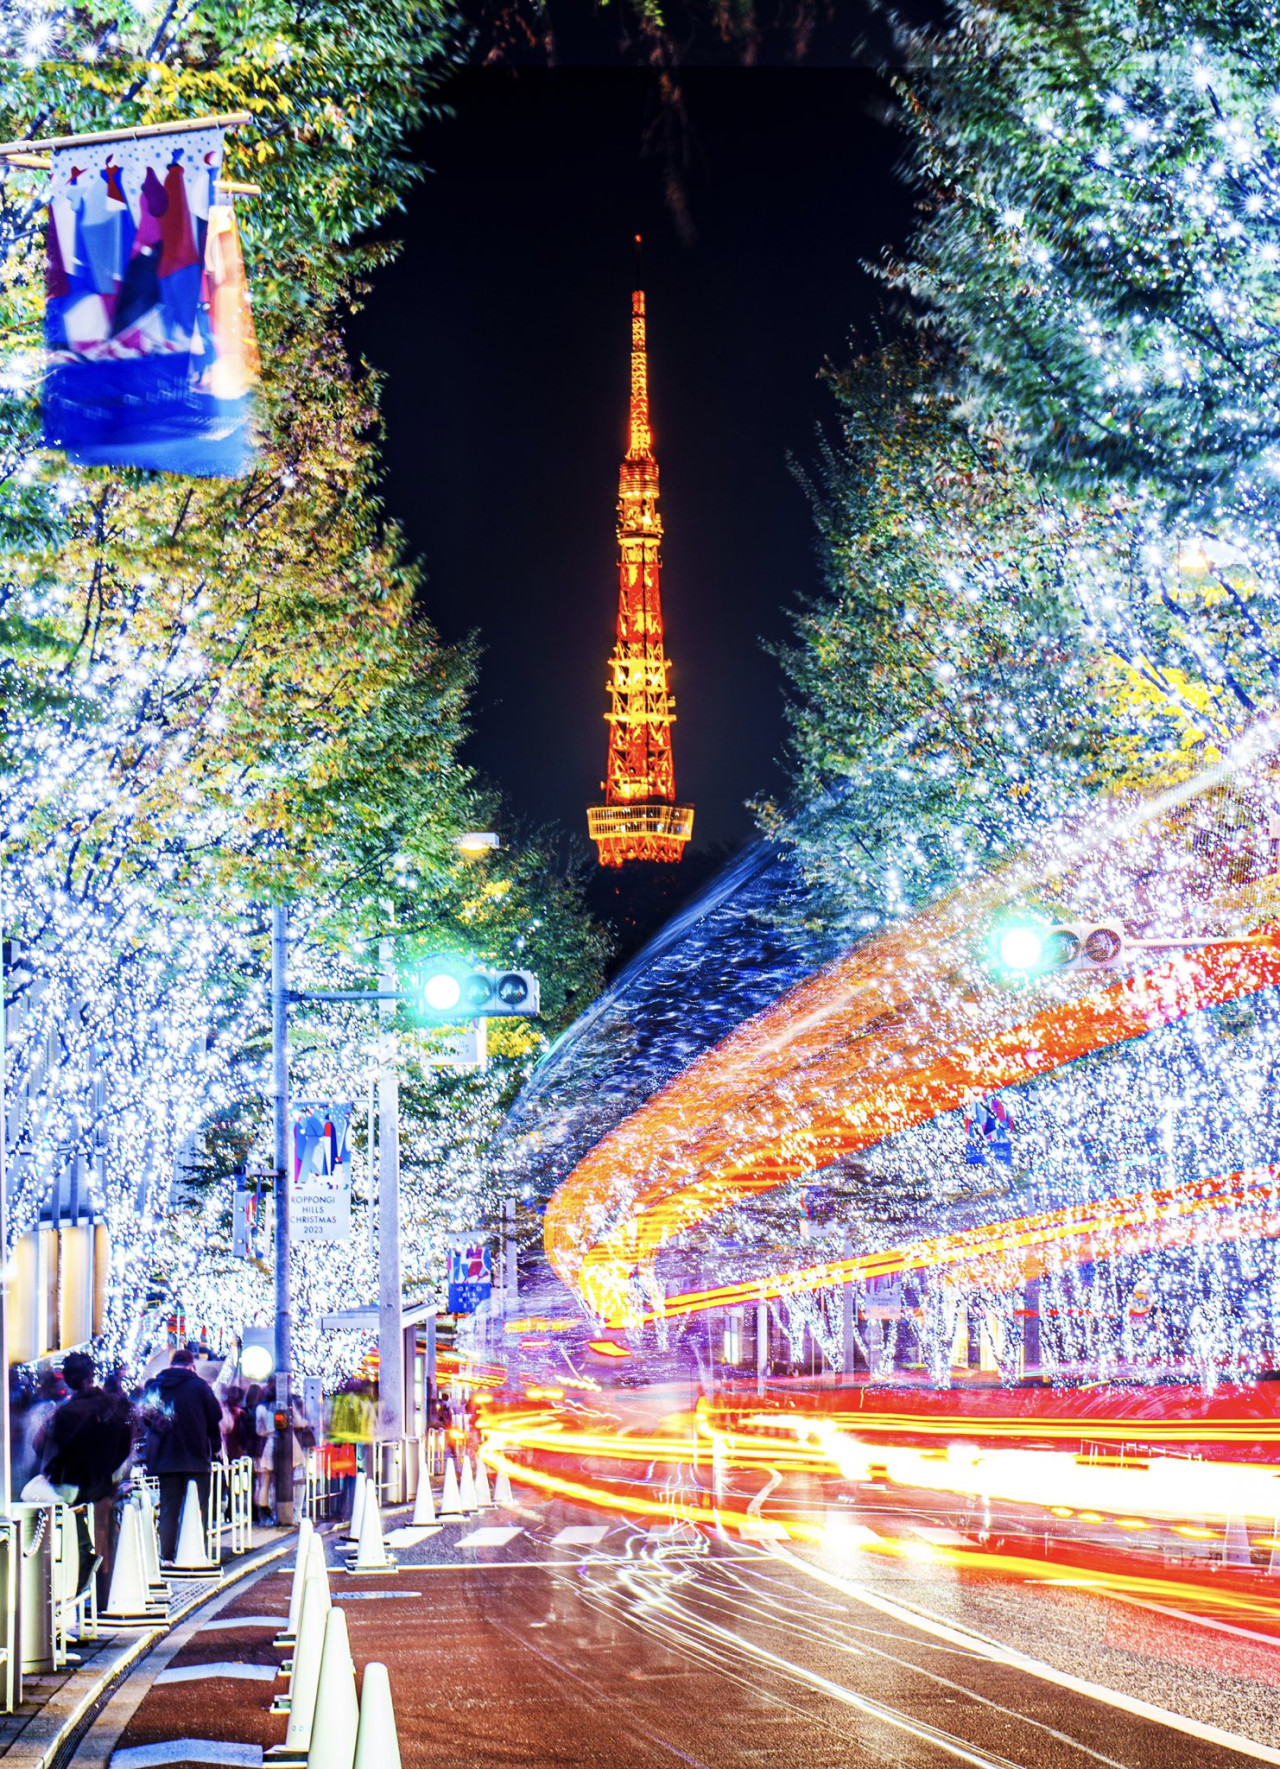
(87, 1445)
(184, 1434)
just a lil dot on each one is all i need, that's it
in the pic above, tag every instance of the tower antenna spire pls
(640, 819)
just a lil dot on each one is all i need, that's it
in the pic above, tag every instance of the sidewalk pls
(59, 1706)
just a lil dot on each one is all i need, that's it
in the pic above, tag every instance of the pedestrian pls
(350, 1428)
(88, 1446)
(232, 1408)
(264, 1467)
(184, 1434)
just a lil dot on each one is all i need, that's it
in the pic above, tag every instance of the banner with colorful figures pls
(152, 358)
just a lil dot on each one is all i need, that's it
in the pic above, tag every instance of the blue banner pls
(152, 358)
(470, 1275)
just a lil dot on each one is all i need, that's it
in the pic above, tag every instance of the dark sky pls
(504, 331)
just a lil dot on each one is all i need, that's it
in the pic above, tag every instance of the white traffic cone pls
(317, 1574)
(337, 1716)
(130, 1599)
(483, 1500)
(289, 1633)
(300, 1700)
(424, 1506)
(357, 1507)
(502, 1489)
(377, 1741)
(192, 1557)
(450, 1499)
(149, 1537)
(371, 1555)
(467, 1487)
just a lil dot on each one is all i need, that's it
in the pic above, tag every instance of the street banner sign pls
(470, 1274)
(152, 358)
(320, 1183)
(244, 1218)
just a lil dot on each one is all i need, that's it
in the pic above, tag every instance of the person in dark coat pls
(87, 1445)
(184, 1434)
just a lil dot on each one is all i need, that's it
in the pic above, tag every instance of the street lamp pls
(480, 841)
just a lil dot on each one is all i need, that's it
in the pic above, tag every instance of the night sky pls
(504, 330)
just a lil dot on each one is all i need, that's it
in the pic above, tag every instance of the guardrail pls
(230, 1508)
(394, 1465)
(323, 1491)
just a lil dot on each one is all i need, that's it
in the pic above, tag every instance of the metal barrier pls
(323, 1491)
(230, 1508)
(385, 1466)
(75, 1611)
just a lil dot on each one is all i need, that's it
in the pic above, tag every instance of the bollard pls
(337, 1716)
(450, 1501)
(424, 1508)
(130, 1599)
(289, 1633)
(467, 1488)
(300, 1702)
(192, 1556)
(371, 1555)
(377, 1741)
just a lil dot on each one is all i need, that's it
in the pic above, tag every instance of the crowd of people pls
(79, 1442)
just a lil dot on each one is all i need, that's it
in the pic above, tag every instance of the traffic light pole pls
(284, 1309)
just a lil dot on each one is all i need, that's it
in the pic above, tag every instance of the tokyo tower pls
(639, 819)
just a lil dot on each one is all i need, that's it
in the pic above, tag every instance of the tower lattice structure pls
(640, 819)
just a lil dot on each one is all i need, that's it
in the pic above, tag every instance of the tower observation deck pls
(640, 819)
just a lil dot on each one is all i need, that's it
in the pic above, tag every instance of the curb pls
(52, 1736)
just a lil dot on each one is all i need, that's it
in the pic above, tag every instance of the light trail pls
(705, 1513)
(1244, 1205)
(904, 1028)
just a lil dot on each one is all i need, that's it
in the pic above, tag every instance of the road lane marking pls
(232, 1668)
(491, 1536)
(188, 1750)
(411, 1534)
(221, 1623)
(1035, 1667)
(581, 1535)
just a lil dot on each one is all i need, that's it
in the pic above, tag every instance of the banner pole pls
(138, 131)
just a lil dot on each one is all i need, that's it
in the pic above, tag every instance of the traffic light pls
(1035, 947)
(445, 989)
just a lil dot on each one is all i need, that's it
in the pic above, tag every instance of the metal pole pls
(390, 1337)
(284, 1315)
(846, 1317)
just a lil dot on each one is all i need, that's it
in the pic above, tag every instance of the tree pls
(214, 694)
(1103, 237)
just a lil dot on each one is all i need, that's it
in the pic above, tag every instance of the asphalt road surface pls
(552, 1637)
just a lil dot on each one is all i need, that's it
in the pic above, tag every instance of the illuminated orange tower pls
(640, 819)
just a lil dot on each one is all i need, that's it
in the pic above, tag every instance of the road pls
(551, 1636)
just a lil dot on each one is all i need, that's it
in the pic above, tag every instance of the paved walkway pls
(57, 1706)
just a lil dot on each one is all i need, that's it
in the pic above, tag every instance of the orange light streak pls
(903, 1028)
(1247, 1205)
(1183, 1593)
